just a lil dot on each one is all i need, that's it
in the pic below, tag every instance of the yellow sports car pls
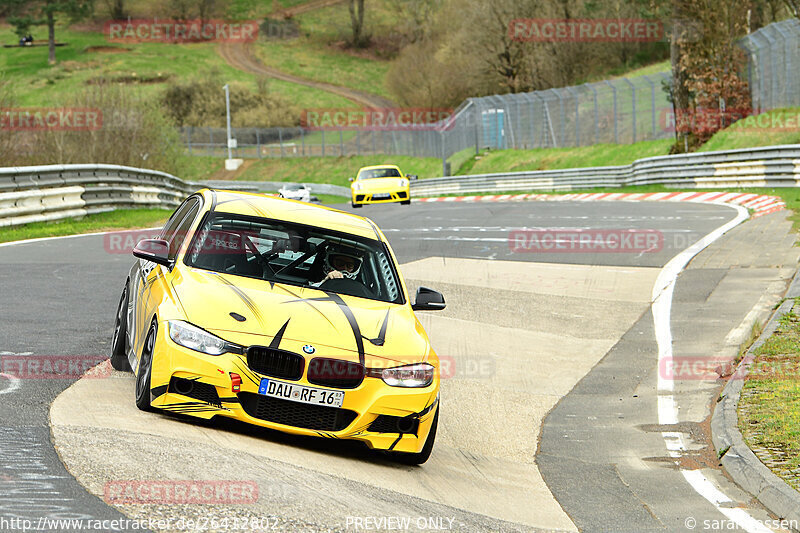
(379, 185)
(284, 315)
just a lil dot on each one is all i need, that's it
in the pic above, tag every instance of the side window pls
(176, 218)
(179, 235)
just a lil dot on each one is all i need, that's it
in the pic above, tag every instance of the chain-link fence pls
(773, 68)
(618, 111)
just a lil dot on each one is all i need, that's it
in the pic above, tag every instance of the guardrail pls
(773, 166)
(52, 192)
(35, 194)
(43, 193)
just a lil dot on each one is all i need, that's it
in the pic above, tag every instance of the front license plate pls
(300, 393)
(382, 196)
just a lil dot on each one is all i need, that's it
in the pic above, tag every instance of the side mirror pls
(412, 176)
(350, 180)
(428, 300)
(155, 250)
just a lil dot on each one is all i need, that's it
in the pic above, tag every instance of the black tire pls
(119, 352)
(425, 453)
(144, 371)
(355, 205)
(405, 202)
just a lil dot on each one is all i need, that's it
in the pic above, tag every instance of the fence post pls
(303, 142)
(787, 63)
(633, 102)
(358, 142)
(280, 140)
(575, 95)
(652, 104)
(614, 89)
(532, 106)
(341, 143)
(258, 143)
(189, 139)
(323, 143)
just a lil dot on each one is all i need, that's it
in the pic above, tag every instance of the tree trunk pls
(680, 91)
(51, 37)
(357, 21)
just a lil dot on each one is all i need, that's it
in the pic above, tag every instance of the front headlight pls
(404, 183)
(417, 375)
(356, 186)
(194, 338)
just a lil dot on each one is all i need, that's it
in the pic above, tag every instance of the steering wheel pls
(347, 286)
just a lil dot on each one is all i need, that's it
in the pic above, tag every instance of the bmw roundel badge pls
(309, 349)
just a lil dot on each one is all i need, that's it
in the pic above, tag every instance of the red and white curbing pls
(760, 204)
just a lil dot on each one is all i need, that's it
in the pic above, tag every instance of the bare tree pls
(357, 23)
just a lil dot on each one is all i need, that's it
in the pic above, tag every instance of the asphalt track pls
(563, 322)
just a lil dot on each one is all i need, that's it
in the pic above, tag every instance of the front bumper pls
(212, 395)
(369, 197)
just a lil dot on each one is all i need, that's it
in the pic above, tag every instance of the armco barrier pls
(42, 193)
(774, 166)
(34, 194)
(52, 192)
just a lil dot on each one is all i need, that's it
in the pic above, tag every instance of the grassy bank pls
(114, 220)
(769, 409)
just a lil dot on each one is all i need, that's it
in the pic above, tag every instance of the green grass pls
(114, 220)
(318, 53)
(770, 404)
(197, 168)
(38, 84)
(334, 170)
(559, 158)
(767, 129)
(332, 199)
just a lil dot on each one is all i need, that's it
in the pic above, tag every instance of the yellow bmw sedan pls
(380, 184)
(280, 314)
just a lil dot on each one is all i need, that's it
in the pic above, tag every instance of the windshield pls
(283, 252)
(379, 173)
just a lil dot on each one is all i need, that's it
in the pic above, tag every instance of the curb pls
(739, 460)
(759, 203)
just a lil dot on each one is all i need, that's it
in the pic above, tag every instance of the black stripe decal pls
(381, 338)
(246, 299)
(276, 340)
(348, 313)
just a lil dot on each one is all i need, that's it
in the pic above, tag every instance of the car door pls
(146, 291)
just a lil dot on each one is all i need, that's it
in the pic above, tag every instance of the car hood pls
(291, 317)
(374, 184)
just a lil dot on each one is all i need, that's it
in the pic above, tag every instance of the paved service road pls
(568, 334)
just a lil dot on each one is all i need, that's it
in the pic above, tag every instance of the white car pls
(295, 192)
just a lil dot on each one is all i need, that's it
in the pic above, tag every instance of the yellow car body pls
(380, 184)
(265, 320)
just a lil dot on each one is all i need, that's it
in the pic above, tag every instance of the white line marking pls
(13, 384)
(43, 239)
(667, 406)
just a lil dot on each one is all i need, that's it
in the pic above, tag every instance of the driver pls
(341, 262)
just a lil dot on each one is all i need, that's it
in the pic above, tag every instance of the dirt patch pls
(107, 49)
(131, 79)
(698, 434)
